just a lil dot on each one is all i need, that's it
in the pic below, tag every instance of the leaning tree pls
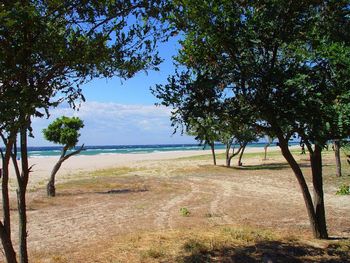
(64, 131)
(48, 50)
(285, 62)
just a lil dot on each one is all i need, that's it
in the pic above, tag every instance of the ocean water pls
(135, 149)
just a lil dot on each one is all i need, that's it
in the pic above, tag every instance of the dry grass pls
(217, 244)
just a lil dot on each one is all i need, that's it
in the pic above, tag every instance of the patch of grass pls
(185, 212)
(199, 157)
(112, 172)
(59, 259)
(89, 184)
(140, 206)
(102, 184)
(342, 246)
(248, 235)
(272, 166)
(154, 252)
(194, 246)
(344, 189)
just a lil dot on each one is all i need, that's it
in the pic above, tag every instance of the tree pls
(204, 130)
(195, 106)
(336, 145)
(286, 62)
(48, 50)
(200, 107)
(64, 131)
(268, 143)
(232, 132)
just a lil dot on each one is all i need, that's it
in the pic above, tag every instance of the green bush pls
(344, 189)
(184, 211)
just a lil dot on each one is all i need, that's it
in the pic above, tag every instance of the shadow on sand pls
(267, 166)
(268, 252)
(123, 191)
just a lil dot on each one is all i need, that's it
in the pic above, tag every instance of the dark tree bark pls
(241, 154)
(315, 213)
(22, 180)
(337, 157)
(21, 197)
(6, 241)
(233, 154)
(212, 147)
(227, 153)
(317, 181)
(51, 189)
(5, 227)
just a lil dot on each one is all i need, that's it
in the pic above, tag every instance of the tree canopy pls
(287, 64)
(64, 131)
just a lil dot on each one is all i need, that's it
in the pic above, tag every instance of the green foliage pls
(50, 48)
(185, 212)
(195, 105)
(346, 149)
(64, 130)
(202, 110)
(344, 189)
(285, 62)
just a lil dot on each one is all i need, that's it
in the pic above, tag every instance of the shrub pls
(184, 211)
(344, 189)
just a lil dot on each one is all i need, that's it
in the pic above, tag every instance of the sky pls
(121, 112)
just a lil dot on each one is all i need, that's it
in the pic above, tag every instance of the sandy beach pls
(42, 166)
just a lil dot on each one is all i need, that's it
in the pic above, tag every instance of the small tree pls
(268, 143)
(196, 105)
(64, 131)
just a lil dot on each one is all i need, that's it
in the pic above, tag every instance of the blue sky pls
(122, 112)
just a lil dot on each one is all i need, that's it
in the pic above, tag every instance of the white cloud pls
(113, 124)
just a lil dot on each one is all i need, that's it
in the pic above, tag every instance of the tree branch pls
(73, 153)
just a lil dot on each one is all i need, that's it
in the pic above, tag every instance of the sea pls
(122, 149)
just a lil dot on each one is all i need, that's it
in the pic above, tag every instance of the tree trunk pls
(228, 160)
(241, 154)
(212, 147)
(6, 241)
(5, 227)
(317, 181)
(265, 150)
(51, 189)
(337, 157)
(230, 156)
(21, 197)
(314, 222)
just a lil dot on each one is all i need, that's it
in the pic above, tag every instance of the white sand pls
(82, 163)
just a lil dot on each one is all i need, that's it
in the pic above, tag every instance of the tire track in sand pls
(222, 191)
(164, 215)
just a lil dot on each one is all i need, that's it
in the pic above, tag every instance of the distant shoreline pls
(48, 151)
